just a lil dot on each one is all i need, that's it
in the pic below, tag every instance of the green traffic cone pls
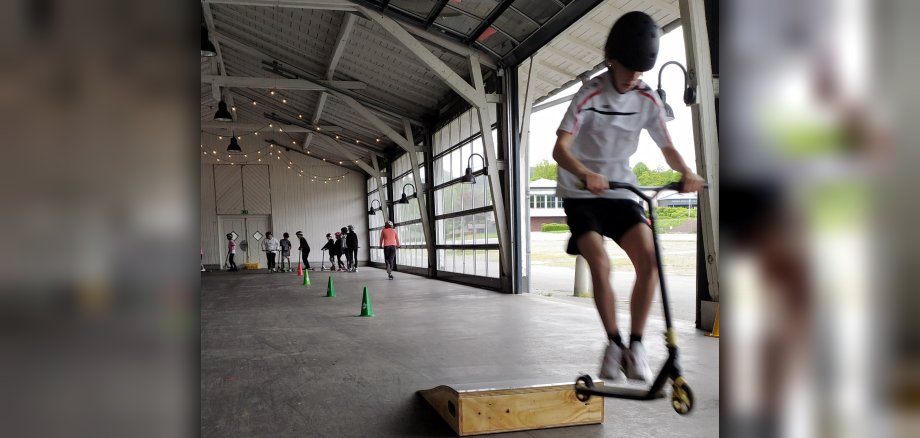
(330, 289)
(366, 309)
(306, 278)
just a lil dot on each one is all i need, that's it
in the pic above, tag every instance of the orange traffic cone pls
(299, 269)
(715, 325)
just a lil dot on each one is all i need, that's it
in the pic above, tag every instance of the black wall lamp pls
(207, 47)
(689, 92)
(370, 211)
(468, 178)
(405, 199)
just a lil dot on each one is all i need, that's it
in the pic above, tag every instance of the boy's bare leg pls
(639, 246)
(591, 246)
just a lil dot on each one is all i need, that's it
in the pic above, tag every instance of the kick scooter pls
(681, 395)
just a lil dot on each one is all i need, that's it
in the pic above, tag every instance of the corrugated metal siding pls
(210, 242)
(228, 187)
(256, 189)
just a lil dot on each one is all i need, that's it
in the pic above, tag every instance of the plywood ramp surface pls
(494, 408)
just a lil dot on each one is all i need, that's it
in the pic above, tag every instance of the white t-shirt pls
(606, 126)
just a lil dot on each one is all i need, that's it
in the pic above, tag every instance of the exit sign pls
(244, 211)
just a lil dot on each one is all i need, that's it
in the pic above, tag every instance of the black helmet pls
(633, 41)
(230, 236)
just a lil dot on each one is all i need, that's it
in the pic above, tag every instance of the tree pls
(544, 170)
(657, 177)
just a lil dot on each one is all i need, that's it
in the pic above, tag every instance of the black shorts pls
(608, 217)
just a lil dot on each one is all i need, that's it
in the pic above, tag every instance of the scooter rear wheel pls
(583, 381)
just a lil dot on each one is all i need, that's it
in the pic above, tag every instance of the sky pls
(543, 124)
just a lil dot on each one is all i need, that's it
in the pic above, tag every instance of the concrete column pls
(583, 286)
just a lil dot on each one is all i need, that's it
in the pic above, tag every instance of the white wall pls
(297, 204)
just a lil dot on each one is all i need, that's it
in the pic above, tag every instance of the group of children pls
(271, 246)
(345, 243)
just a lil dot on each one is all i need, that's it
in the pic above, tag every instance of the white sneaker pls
(636, 365)
(612, 365)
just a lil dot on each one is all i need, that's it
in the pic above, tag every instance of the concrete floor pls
(280, 359)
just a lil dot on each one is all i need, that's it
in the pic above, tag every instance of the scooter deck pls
(619, 392)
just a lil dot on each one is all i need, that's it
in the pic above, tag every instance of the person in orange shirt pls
(389, 240)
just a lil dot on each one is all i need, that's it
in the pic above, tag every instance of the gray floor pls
(280, 359)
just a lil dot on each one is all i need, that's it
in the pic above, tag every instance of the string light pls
(272, 92)
(300, 116)
(378, 140)
(283, 100)
(233, 108)
(253, 103)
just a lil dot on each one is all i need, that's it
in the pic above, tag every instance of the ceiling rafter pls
(209, 23)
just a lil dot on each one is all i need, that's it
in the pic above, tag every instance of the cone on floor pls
(299, 269)
(715, 325)
(330, 288)
(306, 277)
(366, 309)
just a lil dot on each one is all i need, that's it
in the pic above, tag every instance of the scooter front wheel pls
(681, 396)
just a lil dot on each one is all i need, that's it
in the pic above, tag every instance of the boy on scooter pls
(598, 134)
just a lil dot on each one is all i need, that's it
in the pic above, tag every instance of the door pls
(256, 226)
(248, 232)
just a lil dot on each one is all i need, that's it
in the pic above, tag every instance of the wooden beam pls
(404, 143)
(376, 106)
(498, 198)
(331, 5)
(340, 42)
(381, 189)
(438, 67)
(254, 126)
(705, 132)
(419, 189)
(222, 69)
(348, 154)
(280, 83)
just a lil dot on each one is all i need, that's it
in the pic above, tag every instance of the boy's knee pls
(600, 263)
(647, 264)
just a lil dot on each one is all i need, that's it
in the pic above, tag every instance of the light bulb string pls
(279, 155)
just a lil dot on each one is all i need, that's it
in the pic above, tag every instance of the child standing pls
(231, 252)
(351, 240)
(286, 253)
(330, 246)
(304, 250)
(270, 245)
(339, 250)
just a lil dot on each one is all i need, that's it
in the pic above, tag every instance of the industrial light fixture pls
(468, 178)
(234, 146)
(405, 199)
(222, 115)
(370, 211)
(689, 92)
(207, 47)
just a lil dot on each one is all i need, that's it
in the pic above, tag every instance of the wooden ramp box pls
(504, 408)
